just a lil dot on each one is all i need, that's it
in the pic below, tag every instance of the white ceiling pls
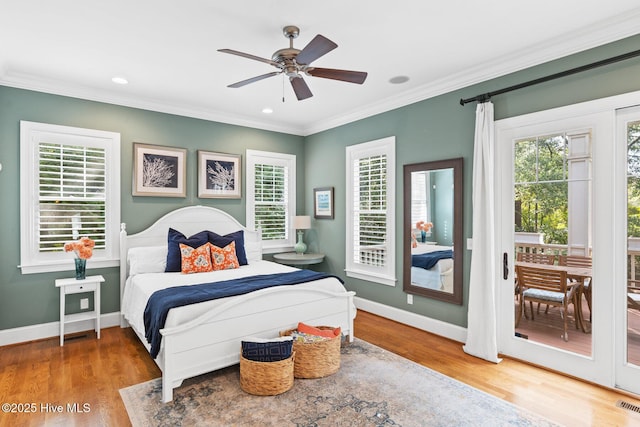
(167, 49)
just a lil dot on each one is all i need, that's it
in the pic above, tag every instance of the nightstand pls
(293, 258)
(74, 286)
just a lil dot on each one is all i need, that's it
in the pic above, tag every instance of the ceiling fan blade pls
(317, 47)
(249, 56)
(254, 79)
(300, 88)
(343, 75)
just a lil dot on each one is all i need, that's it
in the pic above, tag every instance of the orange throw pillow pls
(195, 260)
(224, 258)
(312, 330)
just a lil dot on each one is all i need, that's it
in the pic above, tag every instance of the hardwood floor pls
(90, 371)
(84, 371)
(561, 399)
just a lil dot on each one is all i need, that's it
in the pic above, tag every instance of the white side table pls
(292, 258)
(74, 286)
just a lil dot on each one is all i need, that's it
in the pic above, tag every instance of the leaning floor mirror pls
(433, 230)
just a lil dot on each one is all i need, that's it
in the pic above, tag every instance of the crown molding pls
(607, 31)
(55, 87)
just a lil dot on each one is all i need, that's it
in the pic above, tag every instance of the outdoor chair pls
(537, 258)
(580, 261)
(545, 286)
(633, 297)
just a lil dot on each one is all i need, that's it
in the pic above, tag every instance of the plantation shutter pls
(271, 201)
(71, 195)
(419, 197)
(370, 210)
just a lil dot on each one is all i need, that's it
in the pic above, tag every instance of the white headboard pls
(188, 220)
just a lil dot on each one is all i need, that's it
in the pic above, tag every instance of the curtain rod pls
(486, 96)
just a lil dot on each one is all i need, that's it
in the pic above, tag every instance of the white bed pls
(206, 336)
(439, 277)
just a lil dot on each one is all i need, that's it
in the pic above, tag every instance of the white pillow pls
(147, 259)
(253, 251)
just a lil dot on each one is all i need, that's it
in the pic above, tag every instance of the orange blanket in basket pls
(312, 330)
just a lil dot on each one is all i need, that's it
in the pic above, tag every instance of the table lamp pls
(301, 223)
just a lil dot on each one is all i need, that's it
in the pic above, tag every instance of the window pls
(420, 197)
(69, 187)
(371, 211)
(541, 187)
(271, 198)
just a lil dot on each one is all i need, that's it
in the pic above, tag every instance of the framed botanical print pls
(159, 171)
(219, 175)
(323, 203)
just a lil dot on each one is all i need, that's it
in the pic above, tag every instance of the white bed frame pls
(212, 341)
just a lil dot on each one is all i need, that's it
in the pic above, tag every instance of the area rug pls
(373, 387)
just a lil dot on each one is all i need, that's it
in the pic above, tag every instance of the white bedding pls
(139, 288)
(440, 276)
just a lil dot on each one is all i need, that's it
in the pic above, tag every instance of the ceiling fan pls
(294, 62)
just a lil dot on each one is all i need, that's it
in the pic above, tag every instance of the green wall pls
(434, 129)
(33, 299)
(439, 128)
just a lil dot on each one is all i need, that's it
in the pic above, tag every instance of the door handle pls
(505, 266)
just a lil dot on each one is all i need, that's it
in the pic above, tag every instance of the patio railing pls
(633, 262)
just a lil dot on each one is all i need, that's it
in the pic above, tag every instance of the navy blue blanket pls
(429, 259)
(160, 302)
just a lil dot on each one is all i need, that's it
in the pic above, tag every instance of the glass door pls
(552, 223)
(553, 187)
(627, 306)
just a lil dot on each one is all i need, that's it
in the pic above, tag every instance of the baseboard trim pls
(438, 327)
(48, 330)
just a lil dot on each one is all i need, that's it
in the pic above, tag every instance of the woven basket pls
(266, 378)
(317, 359)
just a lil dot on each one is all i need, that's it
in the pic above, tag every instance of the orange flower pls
(424, 226)
(82, 247)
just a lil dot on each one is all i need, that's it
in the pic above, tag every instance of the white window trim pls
(385, 275)
(31, 260)
(278, 159)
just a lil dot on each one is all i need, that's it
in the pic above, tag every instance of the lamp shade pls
(302, 222)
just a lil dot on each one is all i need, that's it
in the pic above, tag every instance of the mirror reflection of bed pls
(432, 229)
(432, 266)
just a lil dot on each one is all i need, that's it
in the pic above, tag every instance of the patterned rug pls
(372, 388)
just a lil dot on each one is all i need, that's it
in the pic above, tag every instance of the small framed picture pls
(219, 175)
(323, 203)
(159, 171)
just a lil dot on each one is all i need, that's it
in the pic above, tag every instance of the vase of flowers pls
(424, 228)
(83, 249)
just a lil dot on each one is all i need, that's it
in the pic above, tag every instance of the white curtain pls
(481, 317)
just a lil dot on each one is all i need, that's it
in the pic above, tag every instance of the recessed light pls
(267, 110)
(398, 80)
(120, 80)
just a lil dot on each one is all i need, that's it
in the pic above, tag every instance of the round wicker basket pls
(318, 359)
(266, 378)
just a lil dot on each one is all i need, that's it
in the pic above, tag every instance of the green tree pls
(541, 190)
